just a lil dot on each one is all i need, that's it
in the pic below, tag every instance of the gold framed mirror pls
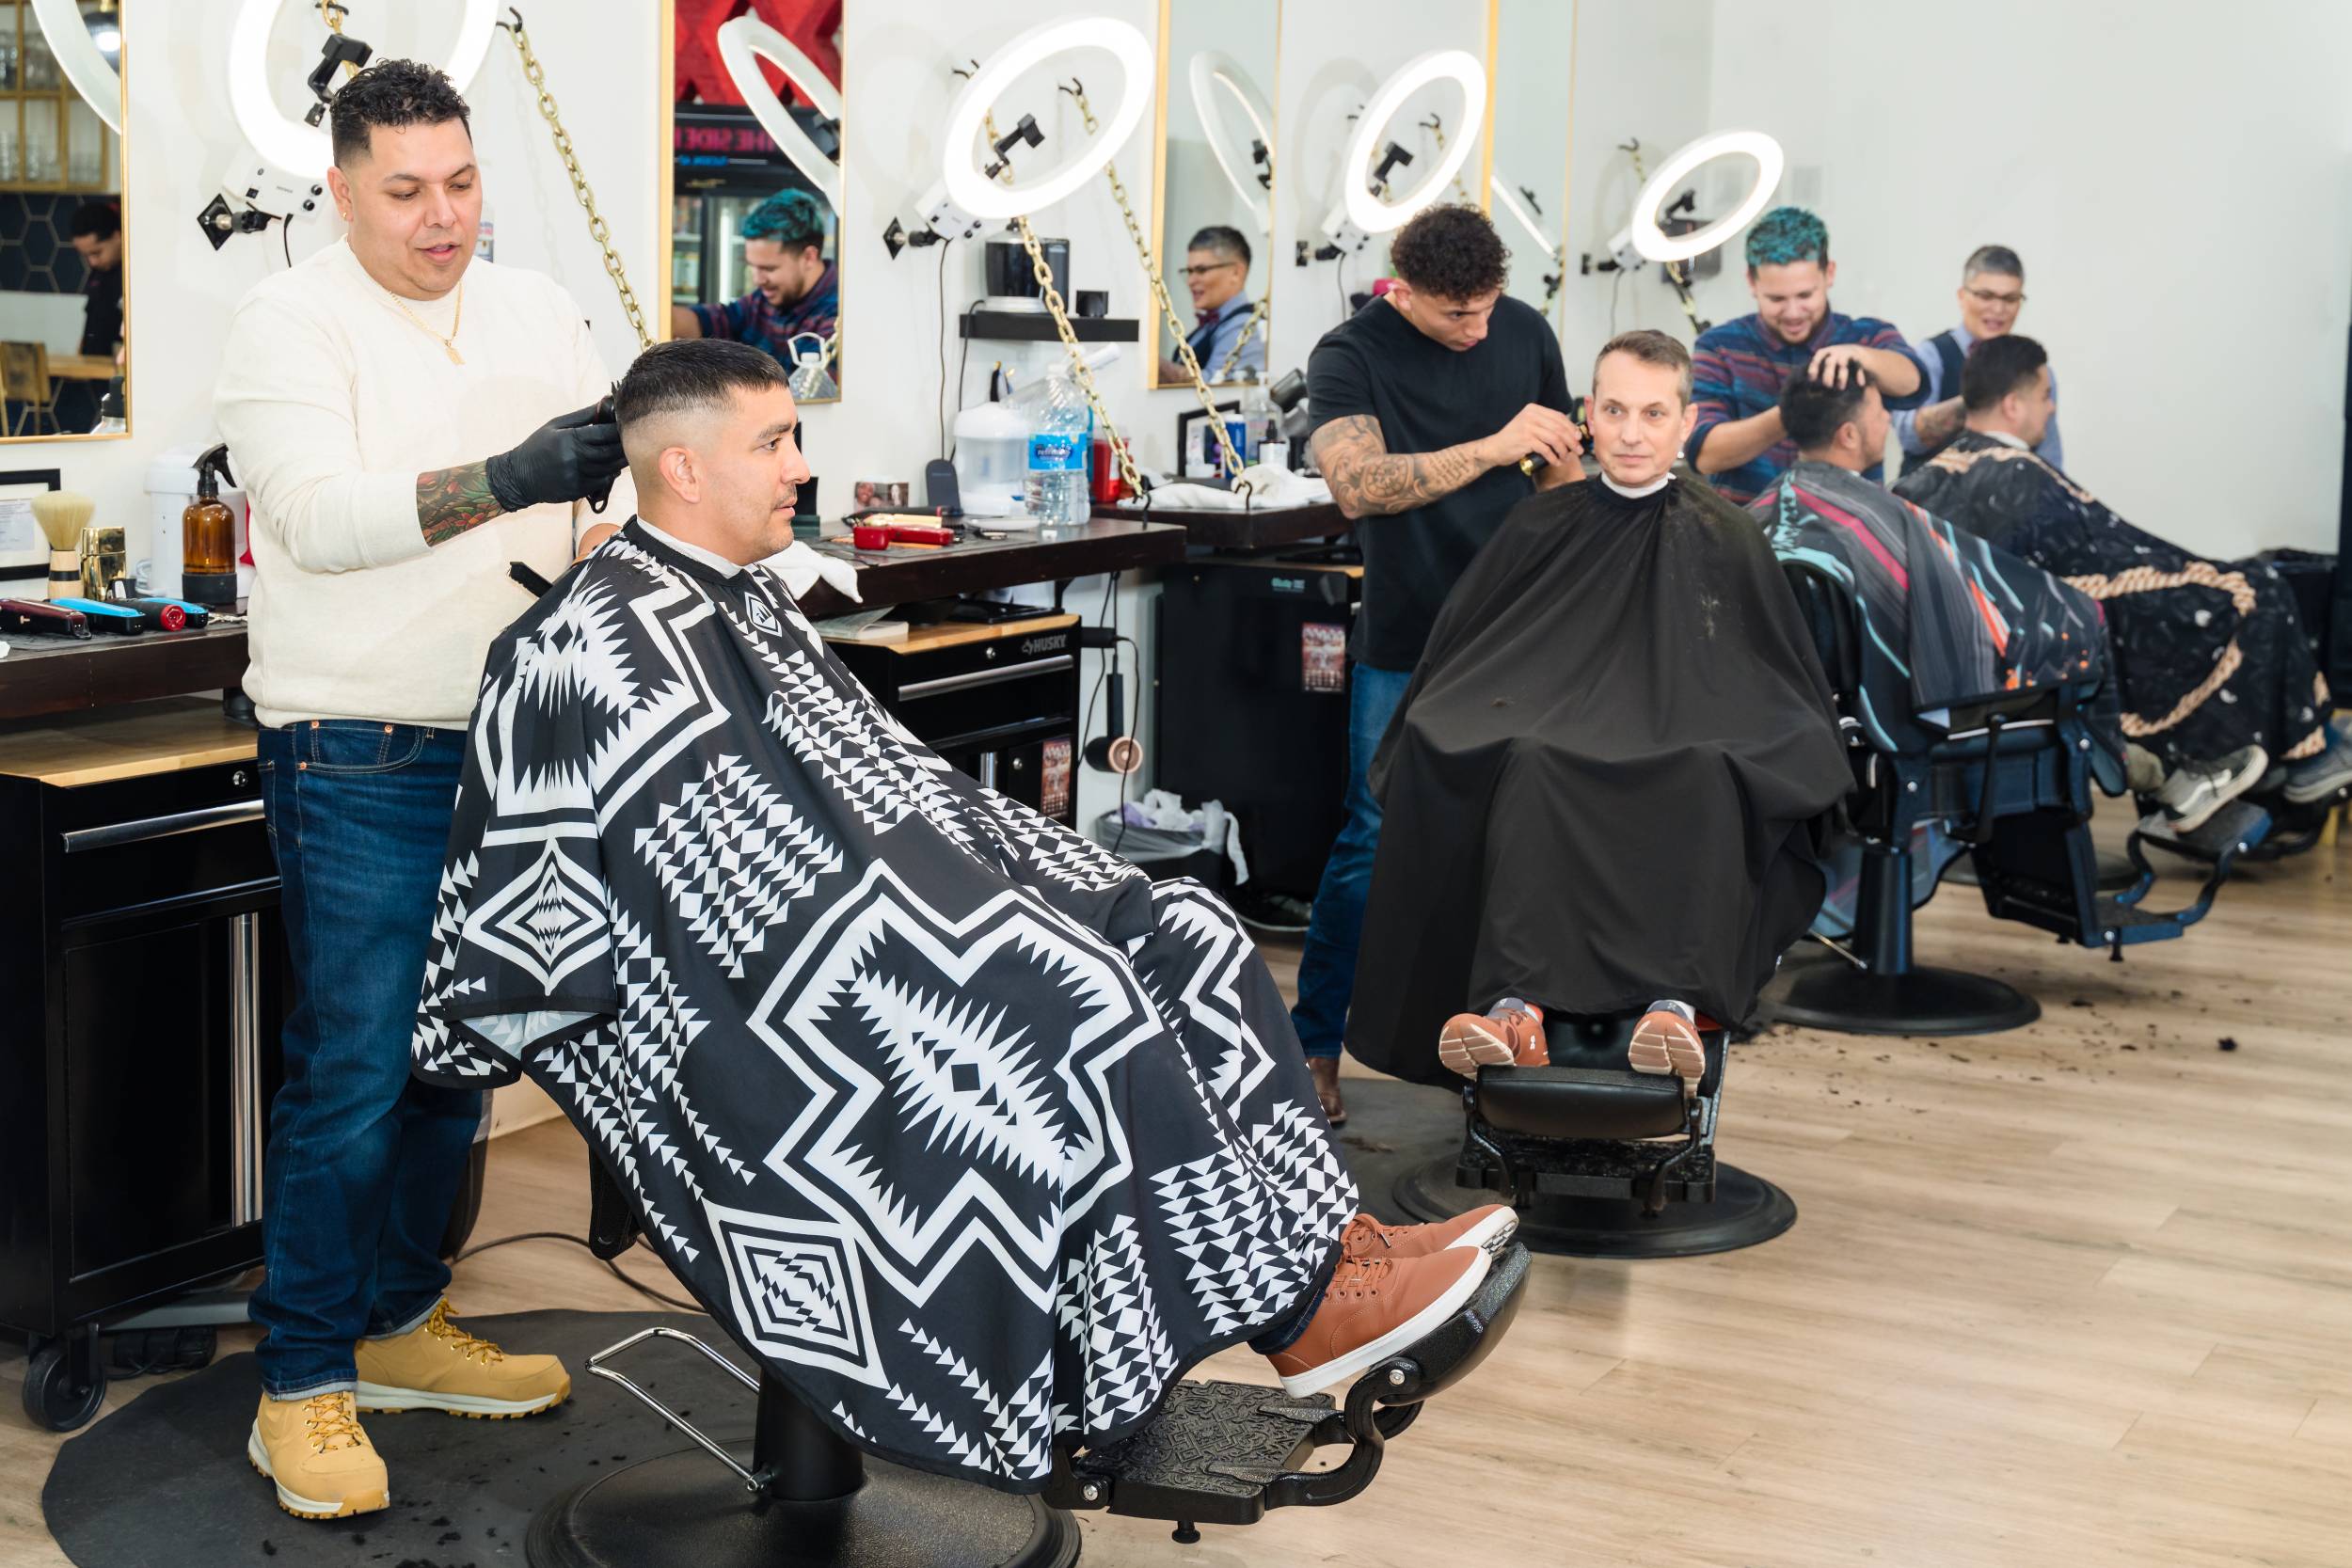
(64, 326)
(751, 192)
(1213, 204)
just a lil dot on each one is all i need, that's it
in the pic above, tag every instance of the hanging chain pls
(332, 12)
(1228, 460)
(597, 230)
(1437, 129)
(1673, 269)
(1054, 304)
(1258, 310)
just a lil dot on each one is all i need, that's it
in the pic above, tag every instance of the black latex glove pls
(569, 458)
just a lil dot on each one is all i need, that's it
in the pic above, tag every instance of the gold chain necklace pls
(448, 344)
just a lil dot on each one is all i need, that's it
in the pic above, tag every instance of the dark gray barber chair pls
(2013, 780)
(1598, 1160)
(1219, 1453)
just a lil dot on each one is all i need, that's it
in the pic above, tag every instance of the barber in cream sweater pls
(408, 421)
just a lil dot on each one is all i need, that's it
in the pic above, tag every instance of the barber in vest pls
(1991, 296)
(408, 421)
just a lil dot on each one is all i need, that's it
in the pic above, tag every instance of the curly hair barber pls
(408, 421)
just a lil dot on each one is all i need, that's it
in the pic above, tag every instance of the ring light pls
(992, 200)
(742, 43)
(286, 143)
(1211, 70)
(1645, 235)
(1376, 215)
(77, 56)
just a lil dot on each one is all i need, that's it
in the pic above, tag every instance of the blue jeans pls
(1326, 968)
(364, 1163)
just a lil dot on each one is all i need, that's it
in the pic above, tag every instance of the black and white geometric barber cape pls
(974, 1136)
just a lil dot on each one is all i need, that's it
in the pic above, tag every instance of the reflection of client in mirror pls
(794, 289)
(98, 239)
(1216, 270)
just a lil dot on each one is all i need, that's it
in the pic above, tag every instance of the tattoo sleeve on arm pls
(1368, 480)
(1938, 422)
(450, 501)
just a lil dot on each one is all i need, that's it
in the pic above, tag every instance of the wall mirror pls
(1214, 201)
(755, 181)
(64, 344)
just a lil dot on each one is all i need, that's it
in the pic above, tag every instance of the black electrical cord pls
(963, 367)
(285, 240)
(940, 403)
(637, 1286)
(1135, 717)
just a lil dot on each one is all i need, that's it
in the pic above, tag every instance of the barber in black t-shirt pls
(1426, 400)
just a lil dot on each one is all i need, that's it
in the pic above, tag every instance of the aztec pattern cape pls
(1942, 621)
(973, 1135)
(2211, 654)
(1606, 781)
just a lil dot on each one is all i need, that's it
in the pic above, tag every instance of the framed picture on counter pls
(24, 554)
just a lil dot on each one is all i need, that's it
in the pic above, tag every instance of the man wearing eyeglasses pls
(1992, 294)
(1216, 271)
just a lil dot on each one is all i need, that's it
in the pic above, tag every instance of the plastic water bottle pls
(1257, 413)
(1061, 436)
(809, 381)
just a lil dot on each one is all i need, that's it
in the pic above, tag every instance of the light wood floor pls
(2077, 1295)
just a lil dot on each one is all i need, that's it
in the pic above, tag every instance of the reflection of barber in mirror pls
(97, 237)
(1992, 297)
(359, 392)
(1741, 365)
(794, 289)
(1216, 271)
(1427, 401)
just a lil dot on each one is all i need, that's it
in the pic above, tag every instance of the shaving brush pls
(61, 515)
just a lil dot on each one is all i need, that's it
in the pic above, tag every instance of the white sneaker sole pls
(1668, 1045)
(1314, 1380)
(377, 1399)
(2238, 785)
(1466, 1047)
(294, 1502)
(2303, 795)
(1489, 1235)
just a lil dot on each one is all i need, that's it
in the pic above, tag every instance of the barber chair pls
(1219, 1453)
(1598, 1160)
(2010, 779)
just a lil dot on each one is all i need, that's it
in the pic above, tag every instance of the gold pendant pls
(455, 358)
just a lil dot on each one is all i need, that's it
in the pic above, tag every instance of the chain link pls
(597, 231)
(1437, 129)
(1228, 460)
(1258, 311)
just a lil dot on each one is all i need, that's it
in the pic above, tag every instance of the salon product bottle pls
(208, 535)
(111, 418)
(809, 381)
(1060, 437)
(1257, 416)
(992, 457)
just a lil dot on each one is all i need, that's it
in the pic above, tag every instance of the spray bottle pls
(208, 535)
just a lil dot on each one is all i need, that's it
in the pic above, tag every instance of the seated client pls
(1602, 785)
(2212, 654)
(974, 1136)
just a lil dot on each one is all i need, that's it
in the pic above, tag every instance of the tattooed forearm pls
(1368, 480)
(450, 501)
(1938, 422)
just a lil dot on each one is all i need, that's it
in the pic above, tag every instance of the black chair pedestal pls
(1746, 1210)
(823, 1505)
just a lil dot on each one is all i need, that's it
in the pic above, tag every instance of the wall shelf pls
(1026, 326)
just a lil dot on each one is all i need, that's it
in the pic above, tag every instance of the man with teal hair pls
(1738, 368)
(794, 289)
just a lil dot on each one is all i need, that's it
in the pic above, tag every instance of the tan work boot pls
(1491, 1227)
(1373, 1309)
(314, 1451)
(1509, 1033)
(439, 1365)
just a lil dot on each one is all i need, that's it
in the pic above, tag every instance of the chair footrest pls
(1210, 1454)
(1594, 1167)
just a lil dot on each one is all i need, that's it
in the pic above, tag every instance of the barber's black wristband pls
(499, 473)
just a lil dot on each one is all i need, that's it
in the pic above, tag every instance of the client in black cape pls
(972, 1134)
(1603, 786)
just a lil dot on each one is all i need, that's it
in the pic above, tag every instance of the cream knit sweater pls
(332, 402)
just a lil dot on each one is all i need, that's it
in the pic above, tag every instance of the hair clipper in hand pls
(607, 413)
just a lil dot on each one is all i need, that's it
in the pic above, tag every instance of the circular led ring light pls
(992, 200)
(1654, 243)
(742, 43)
(76, 54)
(1377, 216)
(305, 150)
(1210, 70)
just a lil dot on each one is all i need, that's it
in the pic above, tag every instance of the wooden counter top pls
(903, 575)
(123, 742)
(1258, 529)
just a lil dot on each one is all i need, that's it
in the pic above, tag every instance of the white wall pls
(1533, 87)
(2176, 179)
(601, 59)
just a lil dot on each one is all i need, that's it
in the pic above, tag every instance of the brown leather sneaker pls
(1491, 1227)
(1375, 1308)
(1509, 1033)
(314, 1453)
(1665, 1041)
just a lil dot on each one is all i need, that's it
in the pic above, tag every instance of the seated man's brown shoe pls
(1666, 1041)
(1489, 1227)
(1325, 1072)
(1509, 1033)
(1373, 1309)
(314, 1453)
(439, 1365)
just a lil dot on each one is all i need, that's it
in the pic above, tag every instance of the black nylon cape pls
(975, 1136)
(1601, 786)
